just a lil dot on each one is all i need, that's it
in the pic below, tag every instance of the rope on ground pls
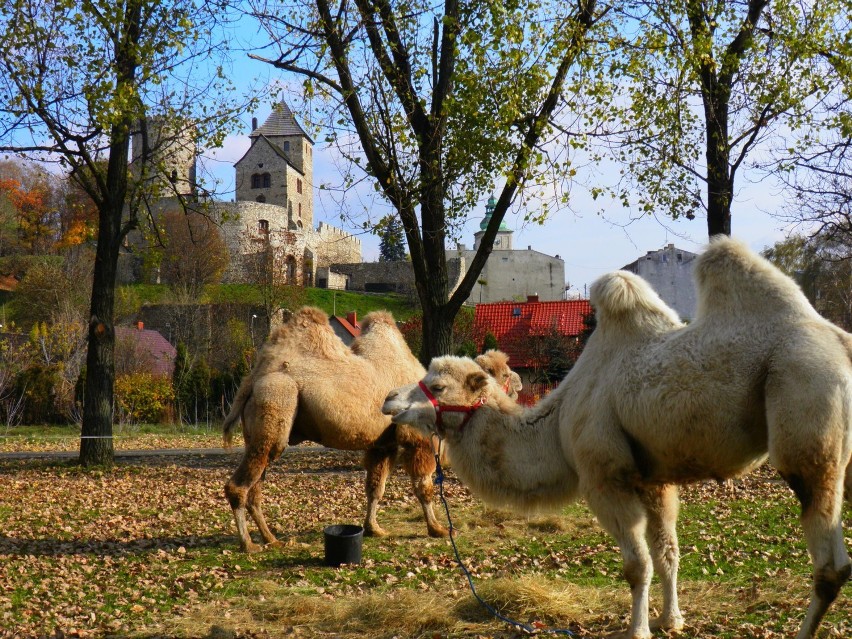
(439, 481)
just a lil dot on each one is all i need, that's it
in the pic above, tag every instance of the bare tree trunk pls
(96, 443)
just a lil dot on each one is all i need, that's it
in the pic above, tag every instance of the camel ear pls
(476, 381)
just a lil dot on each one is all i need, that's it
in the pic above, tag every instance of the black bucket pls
(343, 544)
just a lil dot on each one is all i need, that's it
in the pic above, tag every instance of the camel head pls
(496, 364)
(443, 402)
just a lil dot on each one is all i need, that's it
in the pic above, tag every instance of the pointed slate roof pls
(281, 122)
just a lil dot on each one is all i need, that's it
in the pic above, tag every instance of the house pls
(346, 328)
(520, 328)
(669, 272)
(142, 350)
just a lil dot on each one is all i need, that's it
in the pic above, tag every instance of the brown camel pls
(307, 385)
(651, 404)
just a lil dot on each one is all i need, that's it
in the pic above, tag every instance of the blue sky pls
(594, 239)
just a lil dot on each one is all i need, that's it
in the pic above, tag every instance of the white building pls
(512, 275)
(669, 271)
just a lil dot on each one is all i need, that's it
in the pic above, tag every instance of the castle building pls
(269, 228)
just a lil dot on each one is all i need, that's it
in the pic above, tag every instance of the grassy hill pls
(331, 301)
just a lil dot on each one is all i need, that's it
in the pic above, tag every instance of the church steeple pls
(489, 211)
(503, 241)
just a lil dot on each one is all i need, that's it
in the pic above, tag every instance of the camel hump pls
(732, 278)
(305, 318)
(627, 299)
(374, 318)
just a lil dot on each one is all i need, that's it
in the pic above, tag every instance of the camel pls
(651, 404)
(496, 364)
(307, 385)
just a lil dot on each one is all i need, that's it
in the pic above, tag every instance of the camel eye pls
(437, 388)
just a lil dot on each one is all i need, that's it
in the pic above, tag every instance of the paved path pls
(147, 452)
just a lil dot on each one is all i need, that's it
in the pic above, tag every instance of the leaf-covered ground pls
(148, 549)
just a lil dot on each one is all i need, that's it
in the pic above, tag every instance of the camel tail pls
(233, 416)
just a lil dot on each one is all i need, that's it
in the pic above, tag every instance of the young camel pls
(307, 385)
(496, 364)
(652, 404)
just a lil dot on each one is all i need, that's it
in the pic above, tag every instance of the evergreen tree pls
(392, 246)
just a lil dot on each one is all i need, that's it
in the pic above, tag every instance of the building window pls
(263, 225)
(255, 181)
(267, 180)
(261, 199)
(300, 209)
(298, 186)
(286, 147)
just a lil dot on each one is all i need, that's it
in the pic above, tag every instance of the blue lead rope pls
(439, 481)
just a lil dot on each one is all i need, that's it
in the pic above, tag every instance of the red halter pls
(439, 410)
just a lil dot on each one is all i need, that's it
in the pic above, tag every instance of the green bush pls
(38, 384)
(144, 398)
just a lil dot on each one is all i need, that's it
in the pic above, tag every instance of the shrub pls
(143, 398)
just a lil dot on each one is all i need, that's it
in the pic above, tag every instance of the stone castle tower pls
(169, 155)
(278, 168)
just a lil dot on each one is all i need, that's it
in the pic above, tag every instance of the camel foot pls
(251, 547)
(374, 530)
(439, 531)
(671, 622)
(626, 634)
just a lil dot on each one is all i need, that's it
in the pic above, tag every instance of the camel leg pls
(267, 420)
(255, 495)
(821, 497)
(419, 463)
(662, 504)
(621, 512)
(379, 462)
(418, 460)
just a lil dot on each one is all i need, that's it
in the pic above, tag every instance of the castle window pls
(298, 186)
(173, 176)
(299, 225)
(263, 225)
(261, 199)
(300, 209)
(267, 180)
(286, 147)
(255, 181)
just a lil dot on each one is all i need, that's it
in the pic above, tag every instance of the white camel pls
(652, 404)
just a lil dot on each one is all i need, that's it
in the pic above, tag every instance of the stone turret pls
(278, 168)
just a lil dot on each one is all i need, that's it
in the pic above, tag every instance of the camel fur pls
(307, 385)
(496, 364)
(651, 404)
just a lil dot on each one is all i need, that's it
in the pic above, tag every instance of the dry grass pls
(149, 550)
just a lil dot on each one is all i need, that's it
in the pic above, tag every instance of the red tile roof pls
(513, 322)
